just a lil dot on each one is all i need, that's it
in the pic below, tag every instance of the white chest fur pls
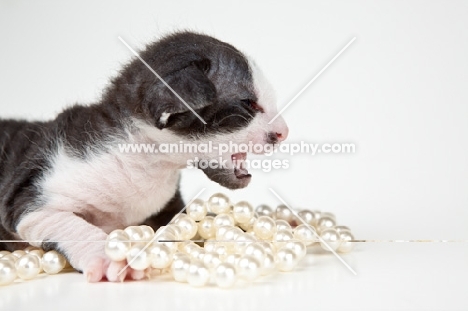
(112, 189)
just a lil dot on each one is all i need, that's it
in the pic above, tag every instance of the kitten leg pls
(79, 241)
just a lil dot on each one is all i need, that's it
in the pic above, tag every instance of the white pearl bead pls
(308, 217)
(225, 275)
(305, 233)
(175, 230)
(189, 247)
(138, 258)
(264, 210)
(286, 259)
(180, 267)
(211, 260)
(298, 247)
(232, 233)
(281, 236)
(4, 253)
(119, 234)
(317, 215)
(161, 256)
(249, 267)
(178, 255)
(134, 233)
(188, 226)
(219, 203)
(209, 245)
(7, 271)
(38, 252)
(284, 213)
(255, 250)
(53, 262)
(166, 238)
(233, 258)
(28, 266)
(116, 248)
(18, 253)
(269, 264)
(264, 227)
(268, 247)
(206, 228)
(242, 241)
(331, 238)
(243, 211)
(198, 275)
(345, 236)
(223, 220)
(172, 229)
(198, 253)
(221, 250)
(148, 233)
(178, 217)
(197, 210)
(10, 257)
(29, 248)
(282, 224)
(220, 231)
(342, 228)
(325, 222)
(330, 215)
(229, 236)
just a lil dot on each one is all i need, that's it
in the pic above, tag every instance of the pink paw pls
(96, 269)
(115, 273)
(102, 268)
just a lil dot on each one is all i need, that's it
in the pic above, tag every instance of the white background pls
(399, 92)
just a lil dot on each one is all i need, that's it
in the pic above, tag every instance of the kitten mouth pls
(238, 160)
(235, 177)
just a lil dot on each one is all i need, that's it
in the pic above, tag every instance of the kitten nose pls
(274, 137)
(280, 136)
(280, 130)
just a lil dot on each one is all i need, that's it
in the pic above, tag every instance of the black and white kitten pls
(64, 184)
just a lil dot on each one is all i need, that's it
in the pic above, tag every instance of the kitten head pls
(210, 92)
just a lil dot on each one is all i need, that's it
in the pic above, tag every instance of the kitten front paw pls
(100, 269)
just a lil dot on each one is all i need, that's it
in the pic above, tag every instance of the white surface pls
(399, 93)
(391, 276)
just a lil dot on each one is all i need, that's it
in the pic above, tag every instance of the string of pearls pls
(220, 242)
(215, 241)
(28, 264)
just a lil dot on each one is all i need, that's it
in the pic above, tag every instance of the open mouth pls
(232, 178)
(238, 160)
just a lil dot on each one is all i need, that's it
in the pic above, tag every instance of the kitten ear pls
(191, 84)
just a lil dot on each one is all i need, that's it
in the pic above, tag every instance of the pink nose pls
(281, 137)
(280, 129)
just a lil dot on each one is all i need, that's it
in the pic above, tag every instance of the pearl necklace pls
(220, 242)
(215, 241)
